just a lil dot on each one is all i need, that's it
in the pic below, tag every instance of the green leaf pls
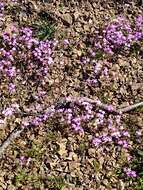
(140, 152)
(96, 165)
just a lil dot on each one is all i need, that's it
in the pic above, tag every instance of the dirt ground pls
(51, 157)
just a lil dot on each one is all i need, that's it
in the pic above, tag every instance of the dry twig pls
(10, 138)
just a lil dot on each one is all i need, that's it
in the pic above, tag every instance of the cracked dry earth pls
(53, 157)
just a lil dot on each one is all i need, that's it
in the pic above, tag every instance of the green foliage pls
(99, 55)
(44, 30)
(139, 184)
(135, 49)
(96, 165)
(119, 172)
(104, 98)
(61, 6)
(23, 176)
(62, 35)
(139, 109)
(136, 164)
(14, 9)
(45, 26)
(52, 136)
(35, 152)
(130, 125)
(82, 147)
(55, 182)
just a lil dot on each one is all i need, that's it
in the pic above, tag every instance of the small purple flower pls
(37, 121)
(12, 87)
(110, 108)
(98, 102)
(45, 116)
(11, 72)
(126, 133)
(130, 172)
(118, 119)
(138, 133)
(25, 123)
(66, 41)
(78, 128)
(106, 138)
(8, 111)
(129, 158)
(2, 121)
(22, 159)
(124, 143)
(105, 71)
(96, 141)
(2, 6)
(117, 135)
(50, 60)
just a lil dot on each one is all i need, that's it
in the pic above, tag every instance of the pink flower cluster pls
(119, 34)
(21, 54)
(115, 132)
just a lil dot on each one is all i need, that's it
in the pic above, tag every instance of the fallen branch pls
(106, 107)
(131, 107)
(60, 104)
(10, 138)
(16, 133)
